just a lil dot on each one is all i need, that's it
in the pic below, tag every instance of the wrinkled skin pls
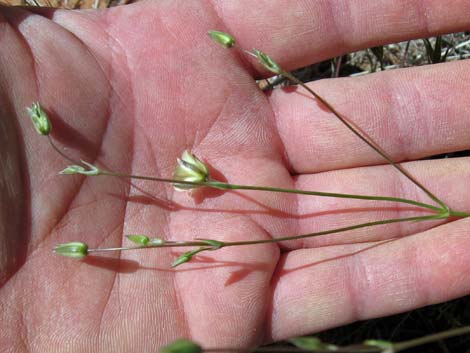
(130, 88)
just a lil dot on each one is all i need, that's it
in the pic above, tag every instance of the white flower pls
(41, 121)
(192, 169)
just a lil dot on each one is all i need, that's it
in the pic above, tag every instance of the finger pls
(444, 177)
(301, 32)
(315, 289)
(411, 113)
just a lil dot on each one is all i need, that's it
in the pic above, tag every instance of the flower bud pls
(41, 121)
(182, 346)
(186, 257)
(267, 62)
(73, 169)
(312, 344)
(190, 168)
(222, 38)
(78, 169)
(77, 250)
(138, 239)
(385, 346)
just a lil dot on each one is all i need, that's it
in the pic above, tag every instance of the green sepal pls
(267, 61)
(182, 346)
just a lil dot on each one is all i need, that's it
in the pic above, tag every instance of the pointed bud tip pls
(224, 39)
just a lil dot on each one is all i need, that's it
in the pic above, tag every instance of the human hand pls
(134, 86)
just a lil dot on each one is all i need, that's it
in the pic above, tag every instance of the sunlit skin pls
(130, 88)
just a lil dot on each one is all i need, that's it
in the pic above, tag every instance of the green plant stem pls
(337, 230)
(396, 347)
(59, 151)
(400, 346)
(368, 141)
(225, 186)
(287, 349)
(290, 349)
(453, 213)
(169, 243)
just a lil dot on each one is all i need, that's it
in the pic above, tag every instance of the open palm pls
(131, 88)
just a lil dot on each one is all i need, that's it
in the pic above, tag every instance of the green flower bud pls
(182, 346)
(222, 38)
(138, 239)
(78, 169)
(385, 346)
(186, 257)
(312, 344)
(73, 169)
(190, 168)
(77, 250)
(267, 62)
(41, 121)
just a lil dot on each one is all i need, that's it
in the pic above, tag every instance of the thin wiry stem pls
(336, 230)
(368, 141)
(62, 153)
(226, 186)
(170, 243)
(400, 346)
(320, 193)
(394, 347)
